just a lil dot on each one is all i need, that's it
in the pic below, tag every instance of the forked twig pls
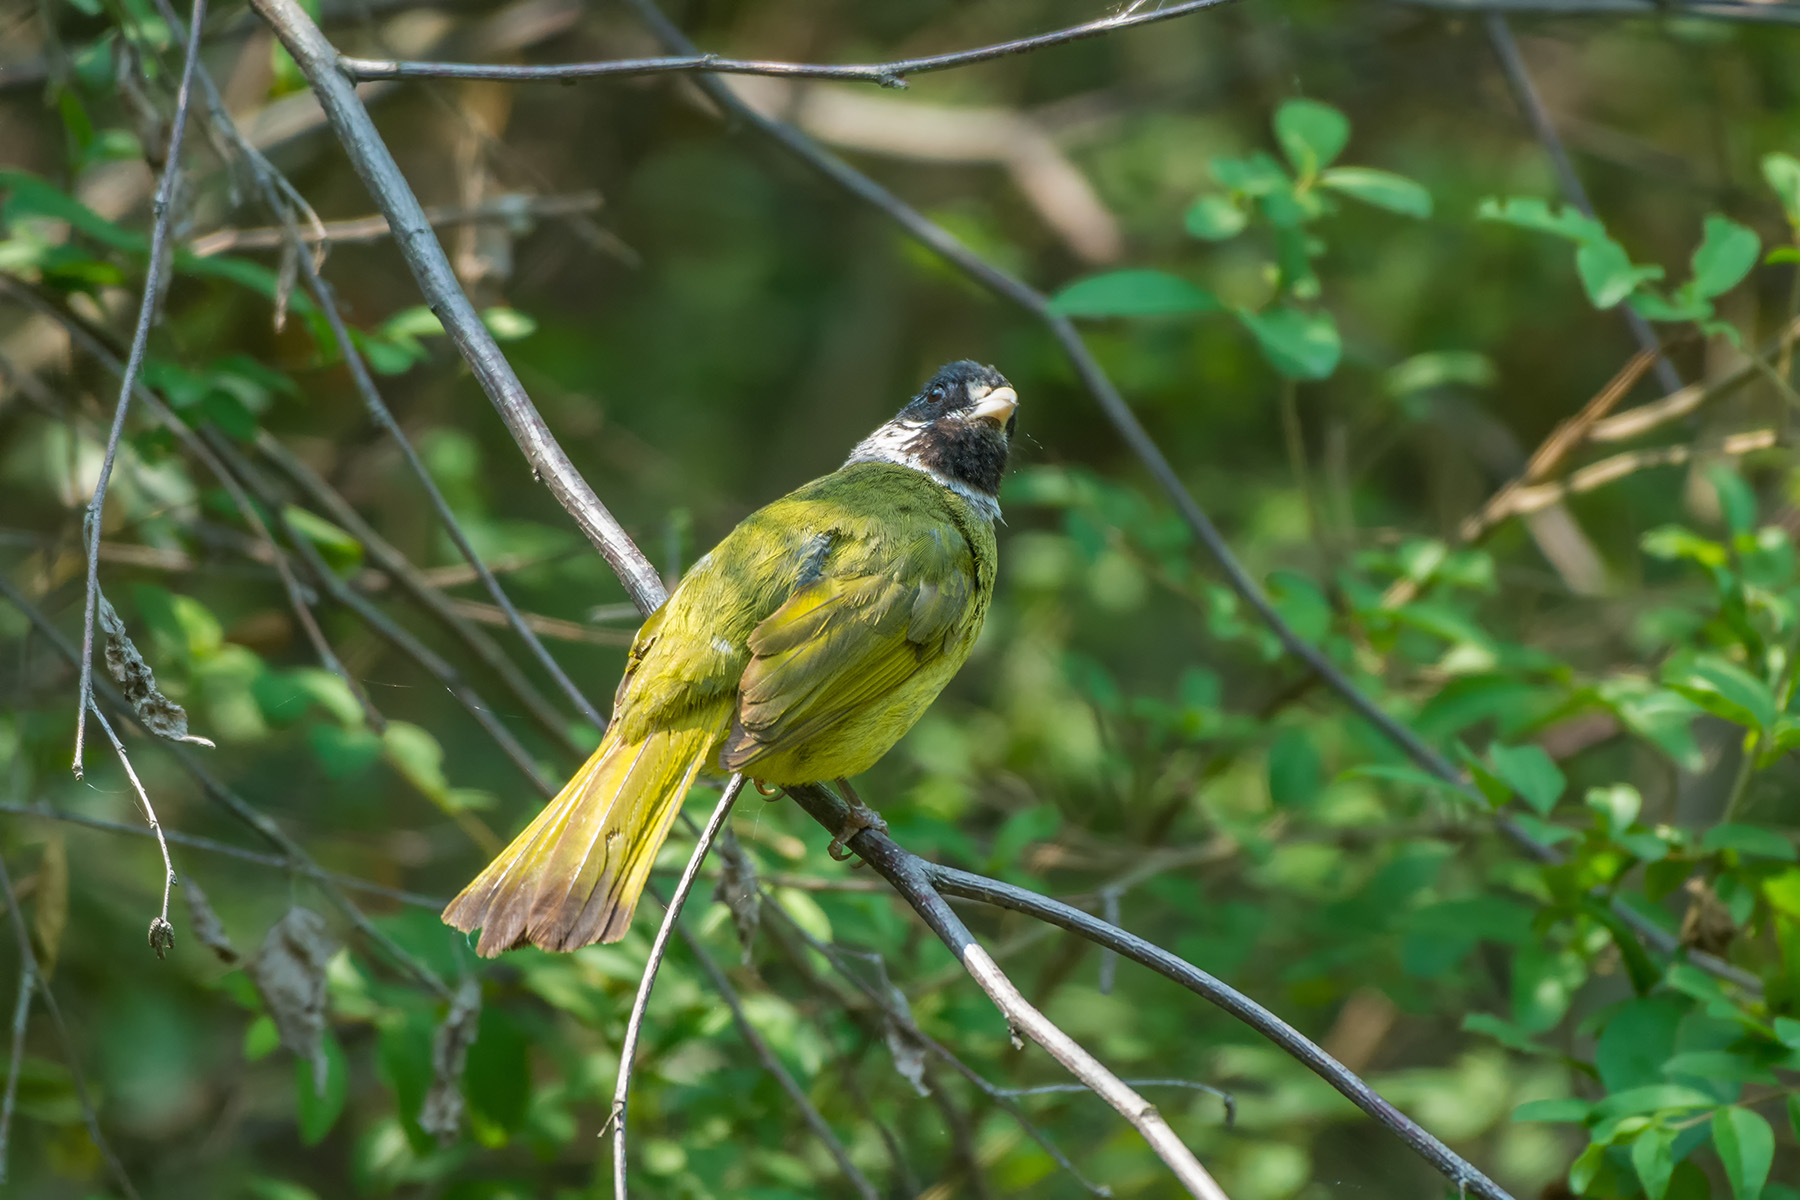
(163, 206)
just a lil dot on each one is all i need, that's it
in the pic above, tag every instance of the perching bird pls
(799, 650)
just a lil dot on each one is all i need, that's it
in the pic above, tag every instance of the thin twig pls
(297, 858)
(196, 842)
(418, 584)
(887, 74)
(163, 206)
(495, 210)
(1518, 78)
(298, 601)
(635, 1024)
(89, 1114)
(275, 186)
(162, 934)
(21, 1011)
(437, 282)
(392, 631)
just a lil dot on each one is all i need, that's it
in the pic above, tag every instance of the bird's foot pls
(859, 818)
(769, 791)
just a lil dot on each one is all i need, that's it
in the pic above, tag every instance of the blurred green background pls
(1342, 368)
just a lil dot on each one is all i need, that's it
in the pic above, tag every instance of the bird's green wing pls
(878, 613)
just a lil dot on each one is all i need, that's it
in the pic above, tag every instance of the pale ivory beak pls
(996, 406)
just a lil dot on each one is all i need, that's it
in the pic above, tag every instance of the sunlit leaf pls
(1298, 343)
(1215, 218)
(1132, 293)
(1746, 1147)
(1725, 255)
(1311, 134)
(1383, 189)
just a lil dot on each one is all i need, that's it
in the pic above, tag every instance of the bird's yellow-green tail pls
(575, 874)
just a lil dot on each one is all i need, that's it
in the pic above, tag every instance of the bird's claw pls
(860, 817)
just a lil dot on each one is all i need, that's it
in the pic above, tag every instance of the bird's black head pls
(957, 429)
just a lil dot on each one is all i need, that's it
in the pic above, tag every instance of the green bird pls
(799, 650)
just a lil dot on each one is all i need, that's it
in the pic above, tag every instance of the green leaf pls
(1726, 253)
(1529, 212)
(1751, 840)
(508, 324)
(1736, 499)
(1563, 1110)
(416, 754)
(414, 322)
(1726, 690)
(1672, 542)
(1530, 772)
(1383, 189)
(1297, 343)
(318, 1112)
(1617, 806)
(1311, 134)
(1684, 306)
(261, 1038)
(1132, 293)
(1215, 218)
(1653, 1158)
(1608, 273)
(1294, 771)
(1654, 1098)
(338, 547)
(1257, 175)
(1783, 173)
(1782, 254)
(1441, 368)
(1746, 1148)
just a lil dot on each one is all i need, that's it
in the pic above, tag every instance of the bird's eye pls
(936, 395)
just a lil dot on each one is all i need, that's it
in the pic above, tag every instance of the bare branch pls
(888, 74)
(437, 281)
(1004, 895)
(634, 1025)
(281, 198)
(164, 208)
(906, 872)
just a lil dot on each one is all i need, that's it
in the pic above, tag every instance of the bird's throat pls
(965, 458)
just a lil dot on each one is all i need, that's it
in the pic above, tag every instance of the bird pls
(797, 651)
